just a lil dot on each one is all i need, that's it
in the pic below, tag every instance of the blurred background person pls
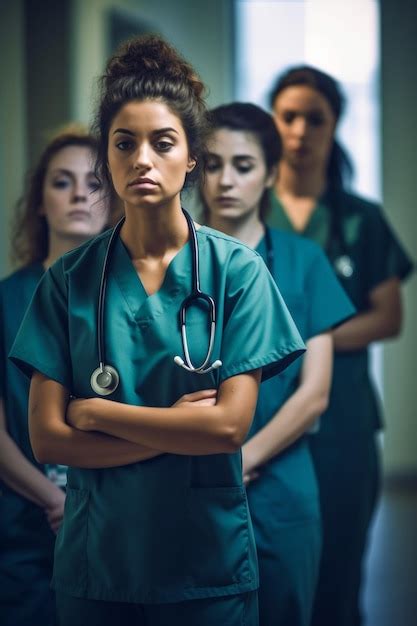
(310, 197)
(243, 152)
(60, 209)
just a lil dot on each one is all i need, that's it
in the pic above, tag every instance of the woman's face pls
(71, 203)
(236, 174)
(148, 156)
(306, 123)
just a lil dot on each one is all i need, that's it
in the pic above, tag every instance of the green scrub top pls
(317, 302)
(376, 255)
(175, 527)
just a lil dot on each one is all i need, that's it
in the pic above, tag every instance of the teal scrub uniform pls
(26, 539)
(175, 527)
(345, 449)
(284, 500)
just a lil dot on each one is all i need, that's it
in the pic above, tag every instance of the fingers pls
(195, 396)
(206, 402)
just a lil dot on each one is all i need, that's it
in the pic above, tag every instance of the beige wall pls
(12, 118)
(201, 30)
(399, 142)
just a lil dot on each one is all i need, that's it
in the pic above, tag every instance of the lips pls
(227, 200)
(142, 181)
(79, 214)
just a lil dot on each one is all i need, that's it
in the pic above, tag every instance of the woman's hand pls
(249, 470)
(55, 510)
(205, 397)
(79, 411)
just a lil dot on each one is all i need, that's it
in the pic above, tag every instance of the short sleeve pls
(328, 303)
(386, 257)
(259, 331)
(42, 341)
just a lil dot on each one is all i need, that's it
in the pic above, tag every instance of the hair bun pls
(151, 55)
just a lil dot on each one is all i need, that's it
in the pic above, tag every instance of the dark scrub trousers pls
(175, 528)
(344, 450)
(284, 500)
(26, 539)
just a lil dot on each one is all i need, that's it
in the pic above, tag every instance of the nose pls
(80, 191)
(226, 177)
(143, 160)
(300, 126)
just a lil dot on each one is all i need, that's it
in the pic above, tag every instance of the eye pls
(288, 117)
(244, 168)
(213, 164)
(93, 185)
(61, 183)
(124, 145)
(163, 146)
(315, 119)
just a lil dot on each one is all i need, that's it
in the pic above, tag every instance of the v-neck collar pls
(144, 307)
(316, 227)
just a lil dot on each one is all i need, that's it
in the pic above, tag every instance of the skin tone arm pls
(383, 319)
(24, 478)
(55, 441)
(186, 429)
(299, 412)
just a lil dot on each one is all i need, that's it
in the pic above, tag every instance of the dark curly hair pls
(148, 68)
(247, 117)
(30, 228)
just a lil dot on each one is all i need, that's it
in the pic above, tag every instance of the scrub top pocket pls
(218, 517)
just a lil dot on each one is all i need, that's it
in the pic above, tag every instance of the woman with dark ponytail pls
(244, 150)
(156, 528)
(311, 197)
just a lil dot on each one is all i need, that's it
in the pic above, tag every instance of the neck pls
(57, 246)
(294, 182)
(248, 229)
(152, 231)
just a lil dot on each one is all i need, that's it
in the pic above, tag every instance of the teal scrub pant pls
(288, 557)
(237, 610)
(347, 470)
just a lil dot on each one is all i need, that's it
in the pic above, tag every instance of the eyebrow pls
(235, 156)
(62, 170)
(159, 131)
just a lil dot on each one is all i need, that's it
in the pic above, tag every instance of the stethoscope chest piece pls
(344, 266)
(104, 380)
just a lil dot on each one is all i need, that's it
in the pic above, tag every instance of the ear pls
(271, 177)
(191, 164)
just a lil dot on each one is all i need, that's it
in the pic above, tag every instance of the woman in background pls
(310, 198)
(59, 210)
(243, 153)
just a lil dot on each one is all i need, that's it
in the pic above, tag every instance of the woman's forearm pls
(186, 428)
(293, 419)
(22, 476)
(363, 329)
(178, 430)
(70, 446)
(381, 321)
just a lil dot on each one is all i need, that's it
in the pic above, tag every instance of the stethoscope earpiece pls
(104, 380)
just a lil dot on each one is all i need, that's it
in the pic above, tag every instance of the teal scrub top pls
(175, 527)
(25, 535)
(377, 256)
(317, 303)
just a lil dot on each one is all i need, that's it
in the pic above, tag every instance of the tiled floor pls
(390, 594)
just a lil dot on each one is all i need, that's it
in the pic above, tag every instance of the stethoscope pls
(105, 378)
(344, 266)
